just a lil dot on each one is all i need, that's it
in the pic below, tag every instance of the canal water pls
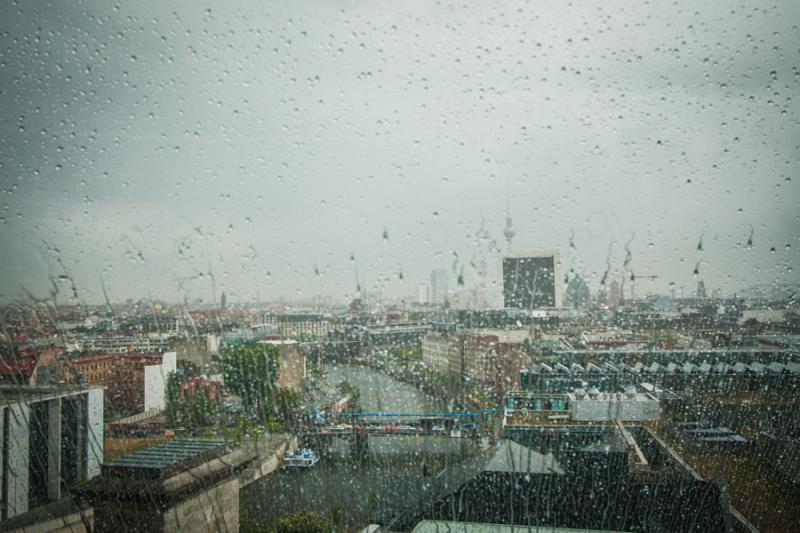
(383, 393)
(396, 470)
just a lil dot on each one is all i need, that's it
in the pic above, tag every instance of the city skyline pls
(396, 284)
(270, 156)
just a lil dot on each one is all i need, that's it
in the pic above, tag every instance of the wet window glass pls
(399, 266)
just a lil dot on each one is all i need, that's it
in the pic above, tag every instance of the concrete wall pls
(111, 516)
(212, 344)
(69, 523)
(214, 509)
(94, 427)
(54, 449)
(267, 463)
(18, 457)
(16, 431)
(2, 454)
(155, 381)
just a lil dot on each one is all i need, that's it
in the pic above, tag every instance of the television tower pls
(508, 232)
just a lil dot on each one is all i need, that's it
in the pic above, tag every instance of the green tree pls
(406, 356)
(372, 501)
(251, 371)
(249, 525)
(337, 515)
(240, 429)
(172, 409)
(345, 388)
(287, 403)
(201, 410)
(304, 522)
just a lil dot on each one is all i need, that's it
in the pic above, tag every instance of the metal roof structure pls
(166, 459)
(706, 432)
(671, 368)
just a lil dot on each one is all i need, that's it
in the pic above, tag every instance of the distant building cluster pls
(485, 357)
(721, 371)
(133, 382)
(304, 325)
(106, 344)
(198, 384)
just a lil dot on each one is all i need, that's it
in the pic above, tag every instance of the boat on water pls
(300, 458)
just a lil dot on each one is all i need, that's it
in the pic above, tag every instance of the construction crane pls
(634, 277)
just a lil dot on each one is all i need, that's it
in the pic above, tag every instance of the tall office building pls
(615, 294)
(531, 281)
(438, 286)
(423, 293)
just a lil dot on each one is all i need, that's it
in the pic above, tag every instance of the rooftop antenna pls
(105, 293)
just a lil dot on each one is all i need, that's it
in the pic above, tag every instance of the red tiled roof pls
(17, 367)
(106, 356)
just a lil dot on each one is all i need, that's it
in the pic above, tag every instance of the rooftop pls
(12, 394)
(503, 335)
(509, 456)
(166, 459)
(703, 367)
(441, 526)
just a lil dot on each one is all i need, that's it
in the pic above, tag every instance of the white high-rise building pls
(438, 286)
(423, 295)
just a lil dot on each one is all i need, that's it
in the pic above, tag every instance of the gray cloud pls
(151, 143)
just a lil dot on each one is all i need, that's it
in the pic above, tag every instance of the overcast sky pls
(149, 145)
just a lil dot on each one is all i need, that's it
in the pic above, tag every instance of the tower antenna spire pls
(508, 232)
(508, 198)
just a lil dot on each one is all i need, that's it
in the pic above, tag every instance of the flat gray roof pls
(166, 459)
